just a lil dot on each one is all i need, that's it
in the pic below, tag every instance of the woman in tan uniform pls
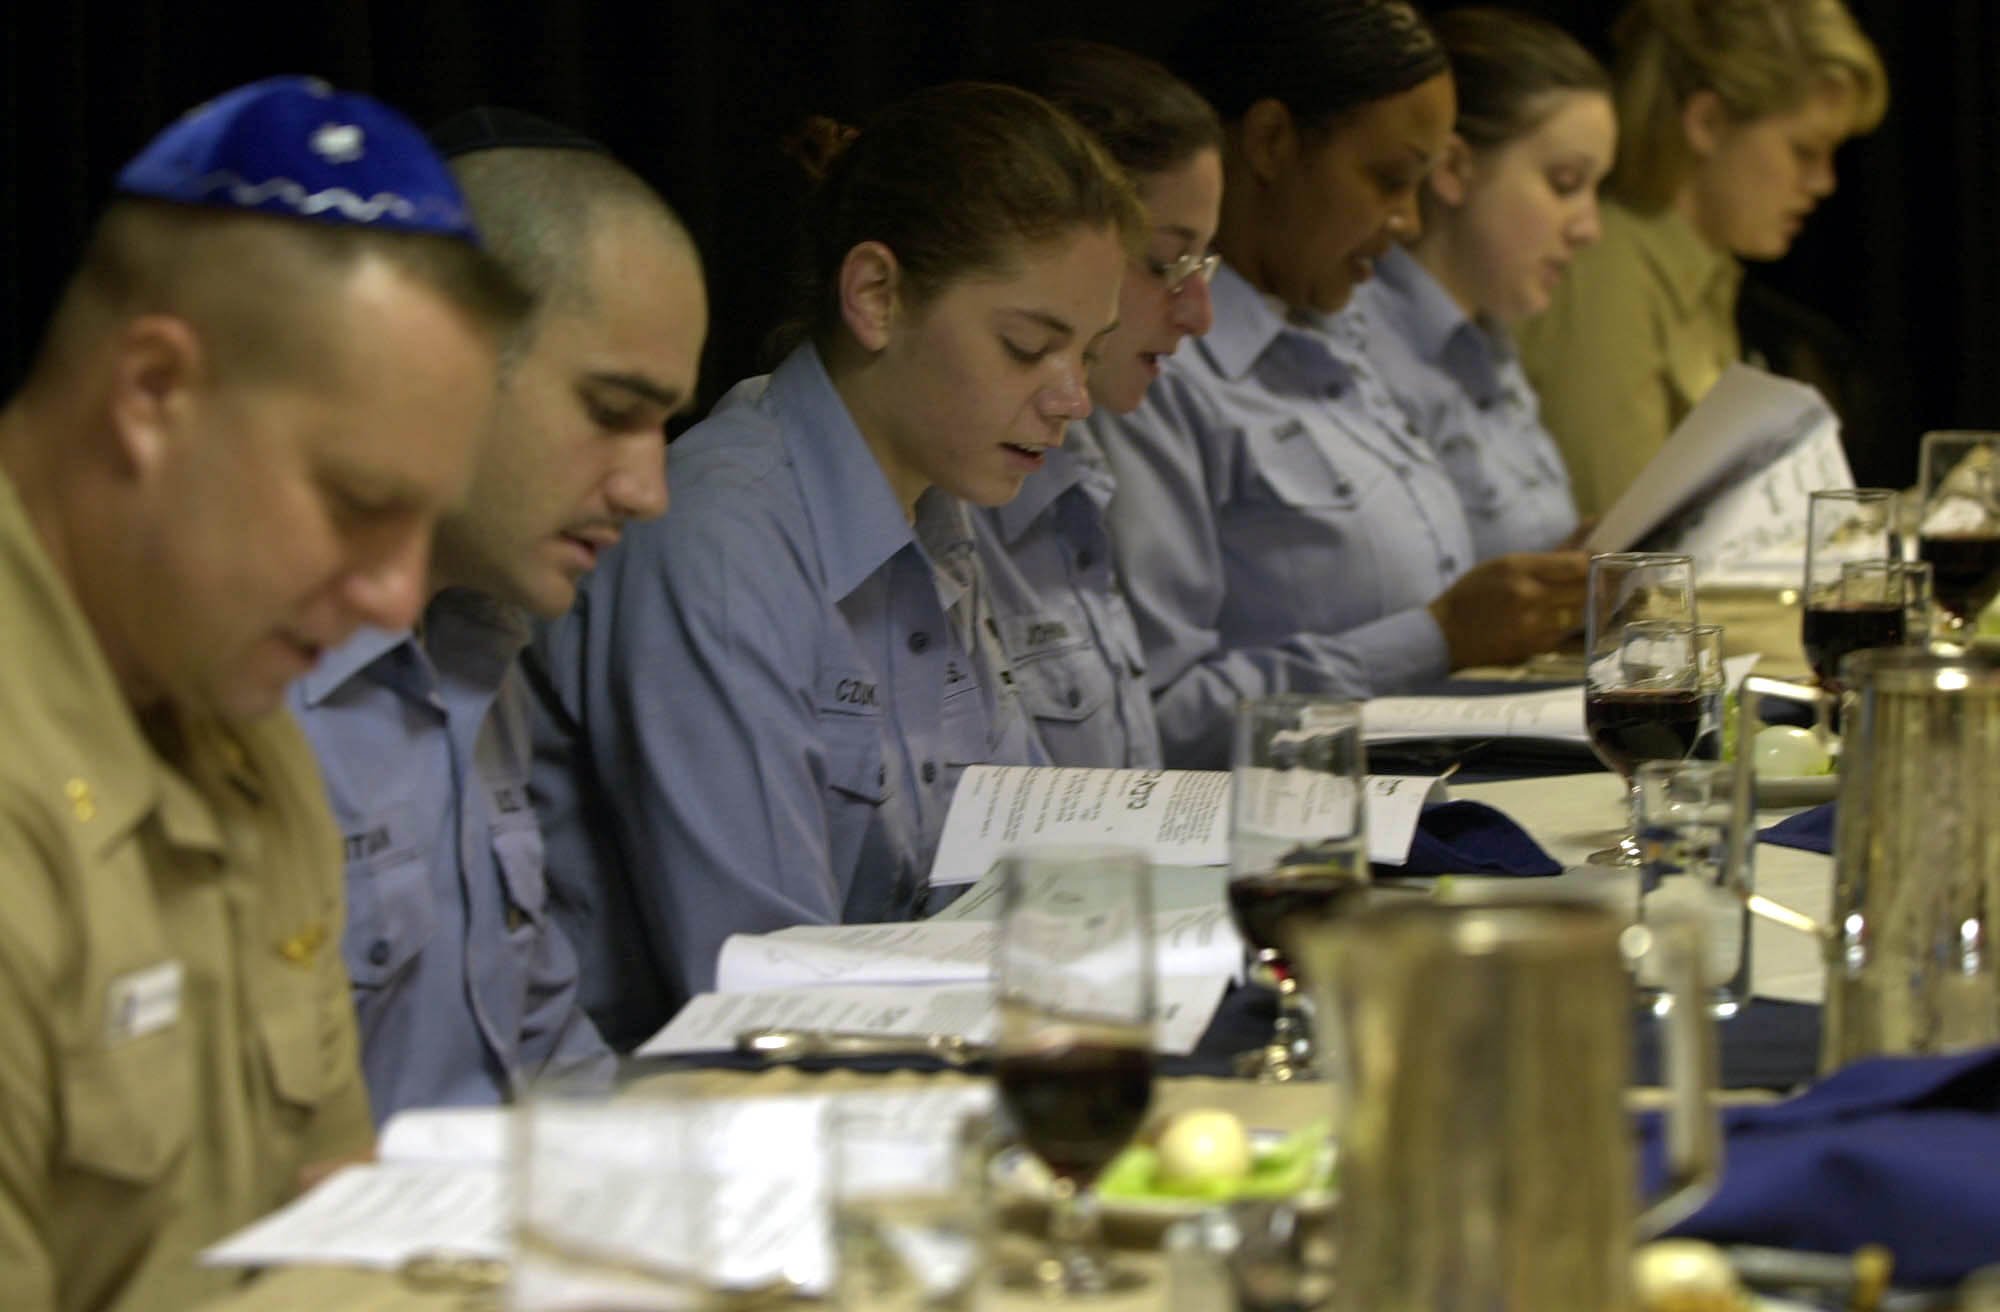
(1729, 112)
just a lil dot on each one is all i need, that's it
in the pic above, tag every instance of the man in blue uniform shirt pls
(464, 986)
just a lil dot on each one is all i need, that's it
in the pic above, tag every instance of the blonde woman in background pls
(1729, 113)
(1509, 206)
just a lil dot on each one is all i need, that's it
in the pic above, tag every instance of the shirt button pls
(378, 952)
(1085, 559)
(930, 772)
(1450, 564)
(919, 641)
(881, 775)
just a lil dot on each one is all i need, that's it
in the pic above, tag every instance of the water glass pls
(1696, 864)
(1298, 849)
(907, 1201)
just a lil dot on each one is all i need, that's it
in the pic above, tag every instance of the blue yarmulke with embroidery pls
(295, 146)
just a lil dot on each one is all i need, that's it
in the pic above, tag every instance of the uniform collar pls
(1066, 468)
(1410, 299)
(1691, 269)
(349, 659)
(857, 523)
(1244, 325)
(103, 771)
(474, 636)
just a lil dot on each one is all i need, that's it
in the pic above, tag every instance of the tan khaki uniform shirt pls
(1639, 330)
(176, 1039)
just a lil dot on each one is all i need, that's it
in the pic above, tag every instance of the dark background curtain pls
(1887, 292)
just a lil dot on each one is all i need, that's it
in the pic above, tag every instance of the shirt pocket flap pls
(289, 1023)
(128, 1107)
(390, 916)
(1289, 467)
(1069, 684)
(854, 765)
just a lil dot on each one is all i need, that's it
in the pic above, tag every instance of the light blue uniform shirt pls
(463, 985)
(1046, 557)
(1278, 525)
(1458, 381)
(762, 702)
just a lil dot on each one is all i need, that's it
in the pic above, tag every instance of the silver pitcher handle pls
(1694, 1126)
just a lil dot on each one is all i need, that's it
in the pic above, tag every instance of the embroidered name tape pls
(143, 1001)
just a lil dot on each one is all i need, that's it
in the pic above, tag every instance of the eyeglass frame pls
(1177, 274)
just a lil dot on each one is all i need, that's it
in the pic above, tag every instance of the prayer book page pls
(1730, 486)
(1176, 817)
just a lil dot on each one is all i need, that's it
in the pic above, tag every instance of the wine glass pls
(1958, 529)
(1627, 587)
(1712, 681)
(1298, 850)
(1844, 526)
(1074, 1066)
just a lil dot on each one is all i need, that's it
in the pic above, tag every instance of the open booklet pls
(730, 1190)
(1177, 817)
(928, 977)
(1730, 486)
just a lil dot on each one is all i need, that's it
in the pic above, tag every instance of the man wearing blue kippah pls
(257, 393)
(466, 988)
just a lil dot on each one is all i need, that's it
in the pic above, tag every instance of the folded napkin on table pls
(1809, 831)
(1471, 838)
(1901, 1151)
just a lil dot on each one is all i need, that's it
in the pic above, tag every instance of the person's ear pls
(870, 290)
(1268, 137)
(1704, 120)
(1451, 177)
(158, 366)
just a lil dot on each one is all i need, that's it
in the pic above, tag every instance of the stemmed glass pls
(1844, 526)
(1958, 530)
(1624, 588)
(1298, 850)
(1712, 680)
(1075, 988)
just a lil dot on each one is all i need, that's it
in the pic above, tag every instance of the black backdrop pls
(1894, 280)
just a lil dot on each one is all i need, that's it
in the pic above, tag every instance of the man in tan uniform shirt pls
(250, 406)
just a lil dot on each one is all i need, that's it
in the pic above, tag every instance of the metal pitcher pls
(1486, 1156)
(1910, 958)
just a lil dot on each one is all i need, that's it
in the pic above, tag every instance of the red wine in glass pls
(1077, 1105)
(1630, 725)
(1831, 631)
(1965, 571)
(1266, 904)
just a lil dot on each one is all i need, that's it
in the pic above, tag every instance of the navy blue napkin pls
(1900, 1151)
(1471, 838)
(1809, 831)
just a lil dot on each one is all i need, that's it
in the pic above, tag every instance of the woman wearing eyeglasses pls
(771, 691)
(1279, 526)
(1047, 555)
(1509, 205)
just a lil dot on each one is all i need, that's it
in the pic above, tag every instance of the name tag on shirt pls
(382, 839)
(143, 1001)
